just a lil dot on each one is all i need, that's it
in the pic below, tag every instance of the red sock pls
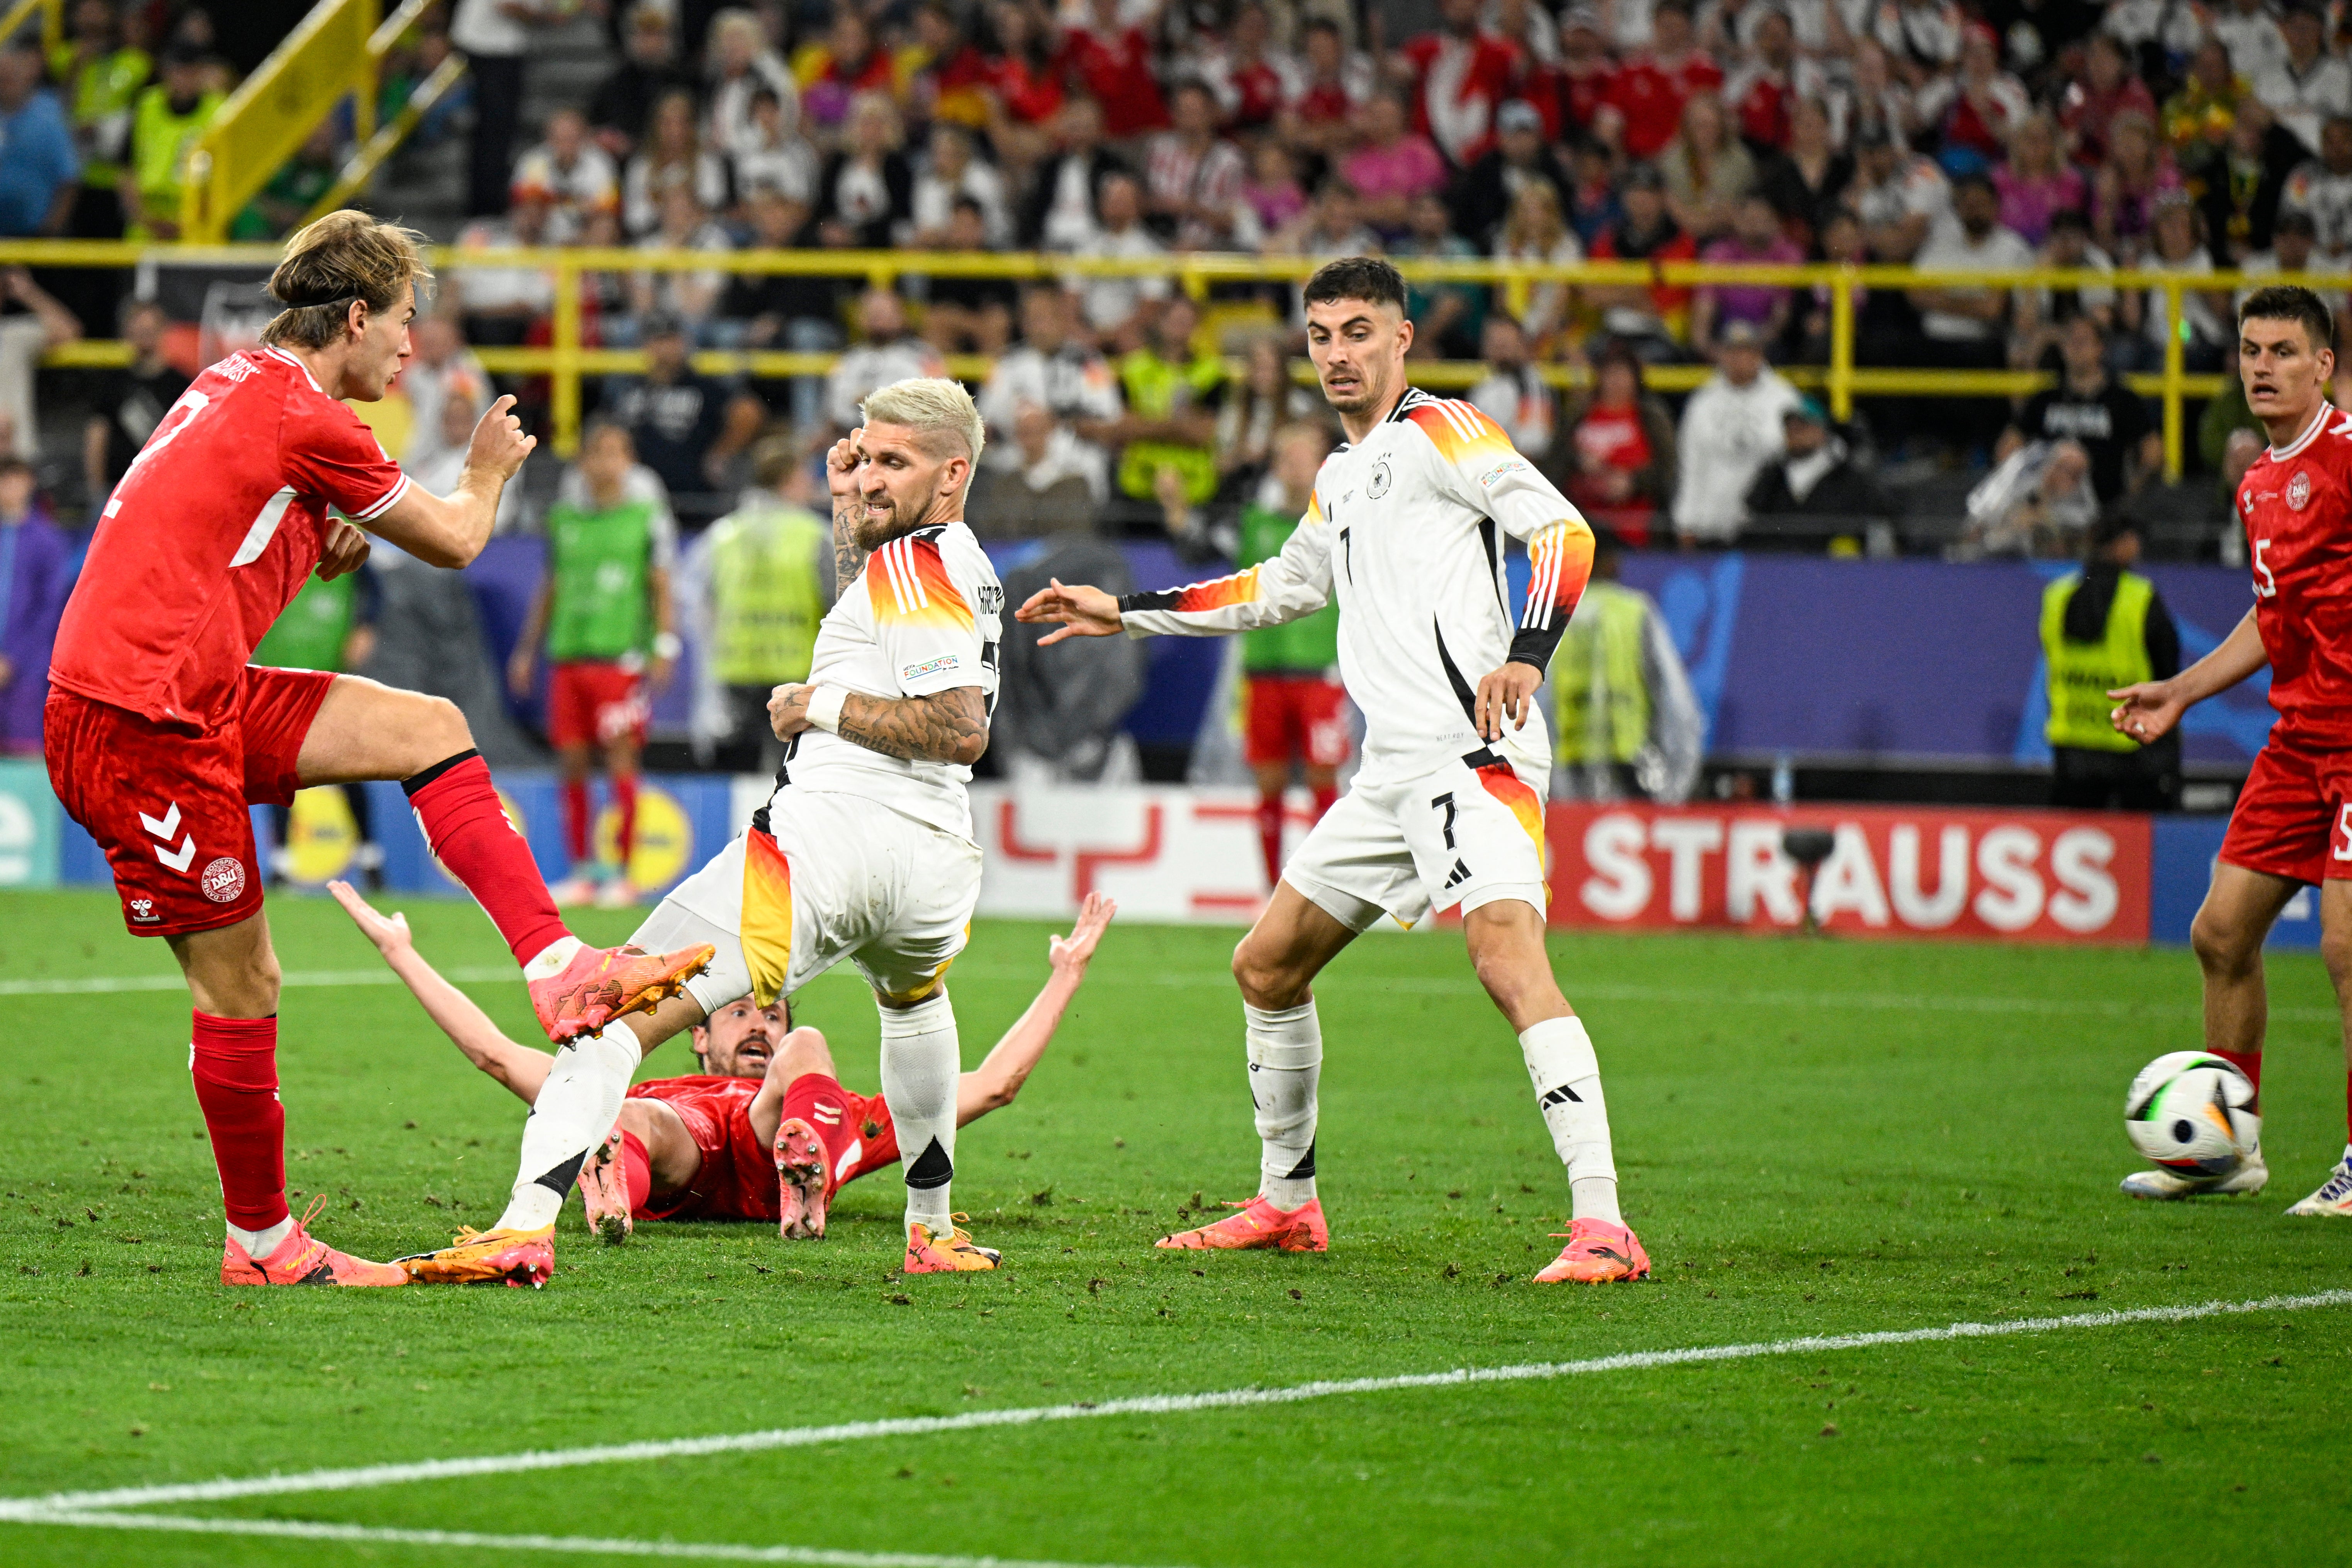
(1269, 836)
(2247, 1062)
(235, 1063)
(575, 820)
(1325, 799)
(467, 830)
(637, 1170)
(624, 800)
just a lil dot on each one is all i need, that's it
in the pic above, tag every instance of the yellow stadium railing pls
(568, 358)
(53, 21)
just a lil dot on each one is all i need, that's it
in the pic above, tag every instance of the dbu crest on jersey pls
(224, 880)
(1378, 485)
(2298, 492)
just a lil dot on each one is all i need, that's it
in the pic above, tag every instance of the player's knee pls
(441, 729)
(2222, 945)
(804, 1052)
(2336, 952)
(1266, 981)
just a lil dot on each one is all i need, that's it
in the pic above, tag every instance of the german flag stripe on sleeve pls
(908, 582)
(1561, 559)
(1462, 435)
(1217, 594)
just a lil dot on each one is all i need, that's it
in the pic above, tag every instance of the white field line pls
(1582, 990)
(29, 1510)
(573, 1545)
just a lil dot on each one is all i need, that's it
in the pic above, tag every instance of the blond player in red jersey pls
(159, 734)
(2293, 824)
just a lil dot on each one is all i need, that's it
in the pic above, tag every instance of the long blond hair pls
(343, 257)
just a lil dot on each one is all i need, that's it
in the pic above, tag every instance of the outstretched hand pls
(1082, 612)
(1506, 693)
(498, 444)
(1072, 953)
(2147, 712)
(389, 933)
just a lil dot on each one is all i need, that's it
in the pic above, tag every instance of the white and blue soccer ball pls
(2193, 1114)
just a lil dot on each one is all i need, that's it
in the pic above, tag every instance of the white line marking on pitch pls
(28, 1509)
(577, 1545)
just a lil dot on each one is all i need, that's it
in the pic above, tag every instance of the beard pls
(873, 528)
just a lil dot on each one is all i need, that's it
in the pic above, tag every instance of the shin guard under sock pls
(1286, 1064)
(466, 827)
(920, 1063)
(234, 1063)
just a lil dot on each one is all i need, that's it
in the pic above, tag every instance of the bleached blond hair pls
(942, 415)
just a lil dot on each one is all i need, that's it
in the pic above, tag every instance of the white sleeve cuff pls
(824, 707)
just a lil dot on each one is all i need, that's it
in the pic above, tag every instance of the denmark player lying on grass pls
(765, 1131)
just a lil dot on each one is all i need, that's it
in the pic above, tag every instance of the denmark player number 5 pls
(2265, 586)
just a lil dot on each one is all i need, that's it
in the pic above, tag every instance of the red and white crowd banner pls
(2011, 875)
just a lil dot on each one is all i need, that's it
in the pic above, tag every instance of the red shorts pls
(168, 802)
(1297, 716)
(2294, 818)
(855, 1130)
(594, 704)
(737, 1178)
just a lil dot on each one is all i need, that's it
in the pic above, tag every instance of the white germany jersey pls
(924, 615)
(1401, 531)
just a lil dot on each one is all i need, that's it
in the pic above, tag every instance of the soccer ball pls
(2193, 1114)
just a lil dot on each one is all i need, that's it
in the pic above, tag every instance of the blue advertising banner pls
(2180, 864)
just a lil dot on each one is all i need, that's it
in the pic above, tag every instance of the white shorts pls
(866, 883)
(1463, 835)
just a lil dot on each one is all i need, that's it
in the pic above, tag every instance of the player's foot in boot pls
(600, 984)
(1597, 1253)
(302, 1258)
(800, 1181)
(605, 1187)
(2334, 1194)
(1259, 1224)
(2250, 1176)
(954, 1253)
(515, 1257)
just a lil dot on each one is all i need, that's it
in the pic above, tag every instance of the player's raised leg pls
(1275, 965)
(2334, 1194)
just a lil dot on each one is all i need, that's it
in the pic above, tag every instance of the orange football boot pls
(1259, 1224)
(600, 984)
(303, 1260)
(516, 1257)
(1597, 1253)
(954, 1254)
(801, 1181)
(604, 1188)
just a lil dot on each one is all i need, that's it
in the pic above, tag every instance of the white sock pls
(1286, 1062)
(920, 1063)
(260, 1243)
(1567, 1076)
(548, 960)
(576, 1107)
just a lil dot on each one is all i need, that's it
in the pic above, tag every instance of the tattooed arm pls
(948, 726)
(849, 555)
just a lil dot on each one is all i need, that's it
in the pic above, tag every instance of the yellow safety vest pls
(2082, 673)
(766, 599)
(1601, 649)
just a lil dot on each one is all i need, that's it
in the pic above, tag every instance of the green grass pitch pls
(1814, 1137)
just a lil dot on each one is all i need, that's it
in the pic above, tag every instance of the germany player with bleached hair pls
(2292, 828)
(159, 735)
(864, 852)
(1403, 531)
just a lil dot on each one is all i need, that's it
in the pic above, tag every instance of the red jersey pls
(1458, 84)
(738, 1175)
(211, 533)
(1650, 95)
(1115, 69)
(2297, 503)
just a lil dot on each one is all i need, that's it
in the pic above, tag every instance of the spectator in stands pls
(35, 574)
(1024, 89)
(1816, 477)
(968, 315)
(40, 175)
(301, 183)
(1642, 109)
(497, 36)
(756, 583)
(2295, 248)
(2037, 504)
(1707, 169)
(602, 613)
(1650, 318)
(1763, 95)
(100, 70)
(1536, 231)
(1048, 481)
(2309, 85)
(2244, 183)
(1055, 370)
(782, 310)
(1111, 59)
(774, 155)
(1395, 164)
(866, 197)
(1731, 428)
(2104, 88)
(951, 174)
(2139, 172)
(1192, 177)
(1841, 243)
(1266, 399)
(1898, 195)
(1461, 75)
(836, 73)
(682, 425)
(2037, 183)
(1879, 103)
(1445, 316)
(1060, 213)
(165, 121)
(1252, 78)
(1591, 194)
(1756, 239)
(2321, 187)
(1963, 327)
(1272, 192)
(743, 66)
(1807, 183)
(1332, 225)
(690, 297)
(2044, 312)
(577, 176)
(35, 324)
(1483, 194)
(1626, 724)
(1619, 458)
(2211, 325)
(2249, 30)
(1972, 114)
(1514, 394)
(887, 352)
(133, 400)
(443, 370)
(2197, 119)
(671, 158)
(2103, 627)
(2091, 407)
(1322, 115)
(1923, 34)
(648, 72)
(1114, 305)
(1174, 393)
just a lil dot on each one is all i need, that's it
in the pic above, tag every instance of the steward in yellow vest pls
(1628, 724)
(2104, 628)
